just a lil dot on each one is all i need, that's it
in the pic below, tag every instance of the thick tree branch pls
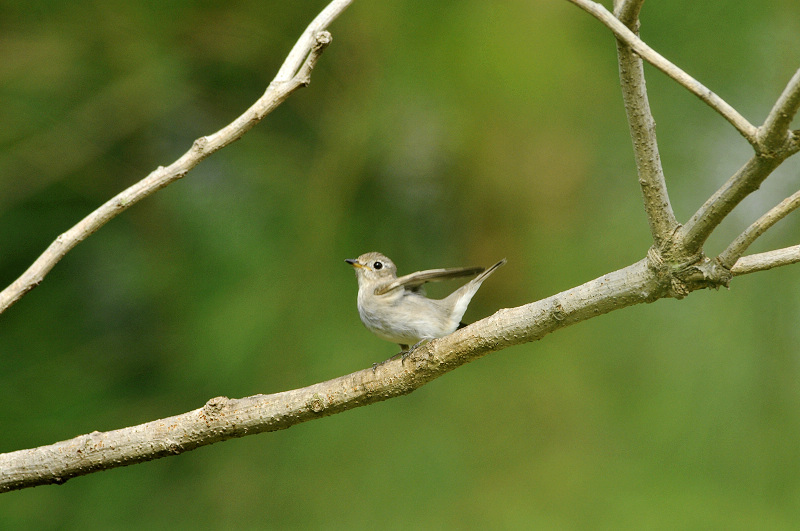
(763, 261)
(223, 418)
(657, 205)
(745, 128)
(295, 73)
(735, 250)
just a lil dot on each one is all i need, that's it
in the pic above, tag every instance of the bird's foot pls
(379, 363)
(406, 353)
(403, 354)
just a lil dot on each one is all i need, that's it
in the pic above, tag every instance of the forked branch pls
(779, 143)
(773, 142)
(737, 248)
(623, 33)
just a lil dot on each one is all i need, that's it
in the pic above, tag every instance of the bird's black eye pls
(377, 265)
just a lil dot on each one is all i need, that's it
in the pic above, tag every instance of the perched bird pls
(397, 310)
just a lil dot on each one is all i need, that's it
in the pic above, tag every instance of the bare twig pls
(764, 261)
(745, 128)
(295, 73)
(779, 143)
(305, 44)
(744, 182)
(657, 205)
(735, 250)
(774, 134)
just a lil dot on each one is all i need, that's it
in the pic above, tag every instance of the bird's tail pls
(480, 278)
(461, 297)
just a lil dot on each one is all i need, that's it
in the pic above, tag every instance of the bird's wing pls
(415, 280)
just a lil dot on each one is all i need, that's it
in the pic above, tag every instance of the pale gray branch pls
(744, 182)
(745, 128)
(297, 57)
(774, 134)
(657, 205)
(768, 260)
(735, 250)
(295, 73)
(627, 11)
(223, 418)
(780, 143)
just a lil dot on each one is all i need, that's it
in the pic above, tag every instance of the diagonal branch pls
(294, 74)
(774, 134)
(657, 205)
(744, 182)
(222, 418)
(735, 250)
(763, 261)
(306, 43)
(776, 144)
(745, 128)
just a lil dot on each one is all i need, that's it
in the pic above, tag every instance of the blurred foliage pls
(444, 134)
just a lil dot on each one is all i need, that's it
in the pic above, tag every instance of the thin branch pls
(222, 418)
(735, 250)
(764, 261)
(744, 182)
(774, 134)
(657, 205)
(297, 57)
(295, 73)
(745, 128)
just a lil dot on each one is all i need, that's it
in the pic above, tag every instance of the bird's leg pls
(404, 350)
(407, 352)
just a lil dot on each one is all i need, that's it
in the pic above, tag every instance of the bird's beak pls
(354, 263)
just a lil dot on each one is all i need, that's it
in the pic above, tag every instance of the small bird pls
(397, 310)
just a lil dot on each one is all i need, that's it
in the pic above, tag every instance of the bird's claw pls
(406, 353)
(403, 354)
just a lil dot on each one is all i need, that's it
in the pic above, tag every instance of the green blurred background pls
(442, 134)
